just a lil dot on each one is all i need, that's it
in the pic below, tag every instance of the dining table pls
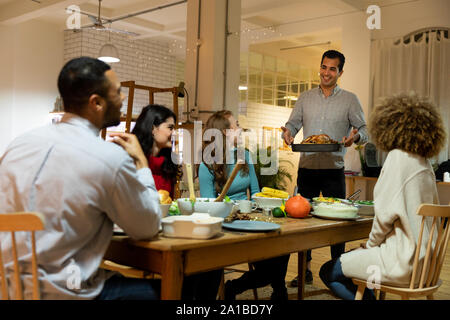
(174, 258)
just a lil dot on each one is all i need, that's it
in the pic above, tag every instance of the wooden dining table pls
(173, 258)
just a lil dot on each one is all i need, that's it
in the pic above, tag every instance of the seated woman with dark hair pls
(154, 128)
(411, 130)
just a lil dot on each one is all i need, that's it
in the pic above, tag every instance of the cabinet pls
(367, 184)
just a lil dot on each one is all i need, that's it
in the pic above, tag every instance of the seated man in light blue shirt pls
(82, 185)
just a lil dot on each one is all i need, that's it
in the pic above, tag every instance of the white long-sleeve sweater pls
(406, 181)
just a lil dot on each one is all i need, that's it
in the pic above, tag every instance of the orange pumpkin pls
(297, 207)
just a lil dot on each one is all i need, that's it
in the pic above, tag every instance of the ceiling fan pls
(98, 23)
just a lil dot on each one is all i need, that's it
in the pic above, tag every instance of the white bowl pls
(205, 205)
(268, 203)
(363, 209)
(195, 226)
(165, 209)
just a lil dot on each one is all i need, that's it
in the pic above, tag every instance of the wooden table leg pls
(172, 276)
(301, 265)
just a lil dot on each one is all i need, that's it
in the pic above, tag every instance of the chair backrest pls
(434, 257)
(13, 222)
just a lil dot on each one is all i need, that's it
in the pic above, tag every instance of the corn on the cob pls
(275, 193)
(262, 195)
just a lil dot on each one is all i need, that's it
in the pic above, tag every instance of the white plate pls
(248, 225)
(334, 218)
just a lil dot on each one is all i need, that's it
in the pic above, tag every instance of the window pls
(274, 81)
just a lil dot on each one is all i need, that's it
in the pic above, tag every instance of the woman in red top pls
(154, 128)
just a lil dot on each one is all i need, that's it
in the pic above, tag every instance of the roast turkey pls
(319, 139)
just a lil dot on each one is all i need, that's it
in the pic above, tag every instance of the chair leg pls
(221, 291)
(255, 291)
(430, 297)
(382, 295)
(360, 292)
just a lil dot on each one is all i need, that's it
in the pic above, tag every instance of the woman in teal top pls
(239, 186)
(212, 179)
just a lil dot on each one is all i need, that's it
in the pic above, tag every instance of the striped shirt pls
(335, 116)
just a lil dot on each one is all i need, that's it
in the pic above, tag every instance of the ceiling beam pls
(132, 22)
(140, 6)
(357, 4)
(262, 8)
(19, 11)
(167, 32)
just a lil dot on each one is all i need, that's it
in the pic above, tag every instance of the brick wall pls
(147, 62)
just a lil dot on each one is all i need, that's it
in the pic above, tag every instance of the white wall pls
(30, 60)
(6, 86)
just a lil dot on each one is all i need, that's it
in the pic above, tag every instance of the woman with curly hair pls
(213, 174)
(411, 130)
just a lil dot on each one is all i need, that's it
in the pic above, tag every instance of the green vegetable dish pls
(174, 210)
(365, 202)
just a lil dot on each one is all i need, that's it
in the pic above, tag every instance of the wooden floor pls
(322, 255)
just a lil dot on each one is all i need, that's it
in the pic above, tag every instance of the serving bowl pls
(195, 226)
(364, 207)
(205, 205)
(268, 203)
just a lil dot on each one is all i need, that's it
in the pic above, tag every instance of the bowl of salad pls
(318, 200)
(365, 207)
(206, 205)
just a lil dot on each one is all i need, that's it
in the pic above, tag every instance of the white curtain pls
(422, 66)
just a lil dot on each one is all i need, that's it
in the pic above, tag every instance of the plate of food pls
(335, 211)
(317, 143)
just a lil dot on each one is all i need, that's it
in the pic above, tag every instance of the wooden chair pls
(22, 221)
(222, 282)
(434, 257)
(127, 271)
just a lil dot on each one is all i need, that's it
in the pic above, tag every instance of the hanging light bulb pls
(109, 53)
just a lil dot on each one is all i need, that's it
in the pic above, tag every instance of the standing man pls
(82, 185)
(330, 110)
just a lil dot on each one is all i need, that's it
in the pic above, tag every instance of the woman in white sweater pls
(411, 130)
